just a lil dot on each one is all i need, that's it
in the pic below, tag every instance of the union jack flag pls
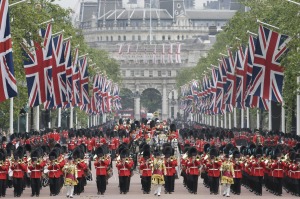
(84, 81)
(267, 77)
(250, 100)
(241, 77)
(178, 56)
(8, 88)
(219, 105)
(76, 100)
(69, 69)
(116, 97)
(38, 67)
(230, 87)
(58, 72)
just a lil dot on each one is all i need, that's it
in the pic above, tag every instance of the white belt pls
(278, 169)
(168, 167)
(147, 169)
(214, 169)
(36, 170)
(100, 167)
(193, 167)
(17, 170)
(237, 170)
(53, 170)
(2, 171)
(123, 169)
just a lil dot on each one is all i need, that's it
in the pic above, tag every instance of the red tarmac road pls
(135, 191)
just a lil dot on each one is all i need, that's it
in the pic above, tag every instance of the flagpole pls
(282, 118)
(242, 118)
(49, 123)
(59, 32)
(248, 118)
(71, 117)
(76, 120)
(51, 20)
(27, 122)
(257, 119)
(225, 120)
(217, 121)
(37, 124)
(270, 116)
(59, 118)
(222, 121)
(16, 3)
(11, 116)
(261, 22)
(88, 121)
(294, 2)
(298, 108)
(229, 122)
(234, 118)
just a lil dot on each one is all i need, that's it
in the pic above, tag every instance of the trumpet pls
(198, 157)
(185, 156)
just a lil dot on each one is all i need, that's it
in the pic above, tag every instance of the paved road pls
(135, 191)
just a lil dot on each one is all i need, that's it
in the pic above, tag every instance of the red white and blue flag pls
(76, 100)
(59, 92)
(8, 88)
(241, 77)
(69, 69)
(38, 67)
(250, 100)
(267, 77)
(84, 80)
(230, 87)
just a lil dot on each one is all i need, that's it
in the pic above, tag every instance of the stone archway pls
(151, 100)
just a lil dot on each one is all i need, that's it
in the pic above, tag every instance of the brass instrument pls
(198, 158)
(1, 163)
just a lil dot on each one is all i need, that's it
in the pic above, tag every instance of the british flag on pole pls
(84, 80)
(267, 77)
(230, 87)
(8, 88)
(250, 100)
(58, 72)
(241, 77)
(69, 69)
(76, 100)
(38, 67)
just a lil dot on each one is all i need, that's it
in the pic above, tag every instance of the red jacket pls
(238, 167)
(277, 169)
(193, 166)
(54, 171)
(36, 170)
(170, 167)
(4, 171)
(18, 170)
(214, 168)
(146, 168)
(124, 169)
(101, 166)
(81, 167)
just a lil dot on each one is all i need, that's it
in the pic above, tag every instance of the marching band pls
(224, 159)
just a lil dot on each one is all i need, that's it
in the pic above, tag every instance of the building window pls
(98, 38)
(142, 73)
(150, 73)
(159, 73)
(163, 38)
(139, 37)
(119, 38)
(124, 38)
(178, 37)
(169, 37)
(132, 73)
(123, 73)
(154, 38)
(133, 37)
(182, 37)
(169, 73)
(111, 38)
(106, 38)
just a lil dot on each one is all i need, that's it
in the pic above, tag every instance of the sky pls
(73, 4)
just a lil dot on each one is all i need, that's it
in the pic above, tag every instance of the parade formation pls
(159, 152)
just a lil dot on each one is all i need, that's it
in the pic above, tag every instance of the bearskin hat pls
(4, 139)
(213, 153)
(192, 152)
(146, 154)
(167, 151)
(124, 153)
(99, 151)
(173, 127)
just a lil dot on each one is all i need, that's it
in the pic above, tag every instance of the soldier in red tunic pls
(146, 165)
(36, 166)
(238, 167)
(124, 166)
(18, 168)
(54, 173)
(101, 164)
(193, 164)
(213, 167)
(4, 166)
